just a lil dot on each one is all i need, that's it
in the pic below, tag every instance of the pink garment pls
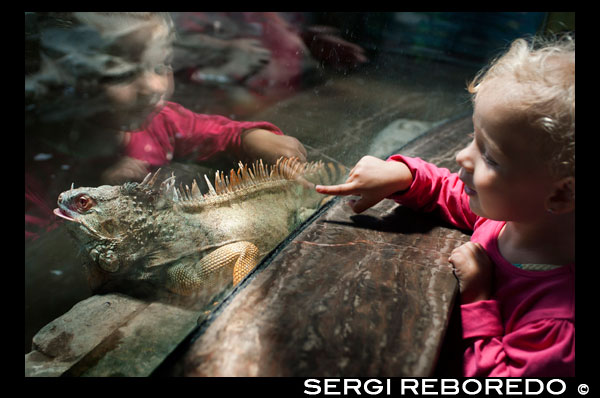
(528, 327)
(176, 133)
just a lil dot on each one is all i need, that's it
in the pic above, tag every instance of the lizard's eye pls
(83, 203)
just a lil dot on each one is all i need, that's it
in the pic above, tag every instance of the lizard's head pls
(114, 224)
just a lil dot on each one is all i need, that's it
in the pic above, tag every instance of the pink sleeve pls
(200, 137)
(543, 347)
(435, 189)
(176, 133)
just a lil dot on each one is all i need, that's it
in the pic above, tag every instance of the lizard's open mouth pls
(62, 214)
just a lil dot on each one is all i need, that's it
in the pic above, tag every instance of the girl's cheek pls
(120, 95)
(480, 178)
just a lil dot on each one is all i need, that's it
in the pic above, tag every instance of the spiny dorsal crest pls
(245, 177)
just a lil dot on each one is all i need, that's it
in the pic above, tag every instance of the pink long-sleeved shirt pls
(528, 327)
(178, 133)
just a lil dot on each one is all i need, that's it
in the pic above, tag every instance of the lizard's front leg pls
(234, 261)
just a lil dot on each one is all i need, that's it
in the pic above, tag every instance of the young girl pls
(109, 76)
(516, 191)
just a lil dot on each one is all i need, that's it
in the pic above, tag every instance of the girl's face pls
(142, 90)
(503, 175)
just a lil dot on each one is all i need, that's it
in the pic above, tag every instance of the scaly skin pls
(188, 242)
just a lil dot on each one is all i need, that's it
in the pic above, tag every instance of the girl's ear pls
(562, 199)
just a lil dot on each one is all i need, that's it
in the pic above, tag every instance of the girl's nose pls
(150, 84)
(464, 159)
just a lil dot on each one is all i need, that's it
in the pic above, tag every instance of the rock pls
(65, 341)
(396, 135)
(109, 335)
(138, 347)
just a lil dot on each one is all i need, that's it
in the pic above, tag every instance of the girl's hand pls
(373, 180)
(263, 144)
(473, 268)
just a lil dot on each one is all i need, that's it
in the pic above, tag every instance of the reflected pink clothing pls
(176, 133)
(528, 327)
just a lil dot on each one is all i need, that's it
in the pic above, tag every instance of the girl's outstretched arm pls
(373, 180)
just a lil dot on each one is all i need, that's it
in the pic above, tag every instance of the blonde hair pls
(544, 69)
(119, 22)
(69, 54)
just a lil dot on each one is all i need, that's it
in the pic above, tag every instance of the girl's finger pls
(341, 189)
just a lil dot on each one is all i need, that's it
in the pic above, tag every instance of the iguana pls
(186, 241)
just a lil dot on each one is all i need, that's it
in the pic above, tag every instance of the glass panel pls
(111, 97)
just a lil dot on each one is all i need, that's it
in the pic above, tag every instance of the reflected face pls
(146, 84)
(502, 171)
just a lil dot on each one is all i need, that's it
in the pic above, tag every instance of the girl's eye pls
(84, 203)
(163, 69)
(489, 161)
(119, 79)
